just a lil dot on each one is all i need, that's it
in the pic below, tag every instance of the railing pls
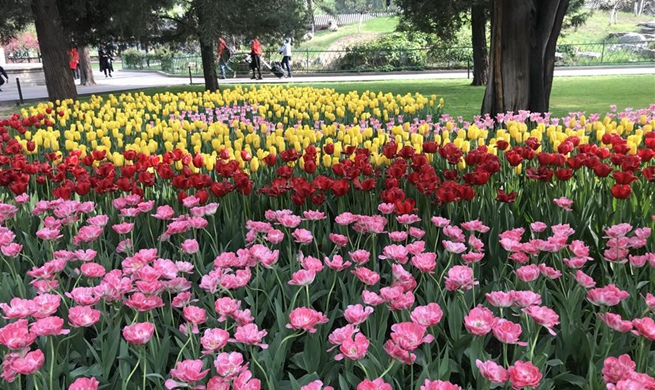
(23, 60)
(342, 19)
(365, 60)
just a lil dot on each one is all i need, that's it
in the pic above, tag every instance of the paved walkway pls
(130, 80)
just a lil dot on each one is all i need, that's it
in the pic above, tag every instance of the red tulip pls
(621, 191)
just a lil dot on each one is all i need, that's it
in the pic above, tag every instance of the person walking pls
(73, 62)
(104, 55)
(224, 54)
(3, 74)
(256, 59)
(285, 50)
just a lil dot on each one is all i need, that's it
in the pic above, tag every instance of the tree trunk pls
(479, 43)
(524, 37)
(310, 11)
(86, 71)
(208, 65)
(52, 44)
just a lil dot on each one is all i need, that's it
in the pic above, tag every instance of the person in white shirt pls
(285, 50)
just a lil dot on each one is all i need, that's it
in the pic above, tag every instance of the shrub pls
(391, 52)
(133, 59)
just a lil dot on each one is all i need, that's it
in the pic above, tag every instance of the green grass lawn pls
(324, 38)
(597, 27)
(590, 94)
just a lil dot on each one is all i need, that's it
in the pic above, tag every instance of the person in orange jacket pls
(73, 62)
(256, 59)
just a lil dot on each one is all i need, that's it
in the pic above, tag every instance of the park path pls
(125, 80)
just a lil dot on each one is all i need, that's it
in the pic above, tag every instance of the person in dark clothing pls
(256, 59)
(104, 55)
(3, 74)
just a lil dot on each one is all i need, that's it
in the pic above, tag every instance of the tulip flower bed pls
(300, 239)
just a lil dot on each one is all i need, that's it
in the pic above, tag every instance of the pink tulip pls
(524, 374)
(305, 319)
(645, 327)
(251, 335)
(376, 384)
(619, 230)
(366, 276)
(460, 278)
(508, 332)
(371, 298)
(585, 280)
(49, 326)
(92, 270)
(229, 365)
(615, 322)
(525, 298)
(84, 384)
(360, 256)
(164, 212)
(353, 349)
(394, 252)
(528, 273)
(454, 247)
(425, 262)
(139, 333)
(338, 239)
(30, 363)
(650, 301)
(397, 236)
(18, 308)
(186, 371)
(190, 246)
(543, 316)
(538, 227)
(386, 208)
(409, 336)
(357, 314)
(500, 299)
(123, 228)
(564, 203)
(82, 316)
(439, 385)
(11, 250)
(492, 371)
(302, 278)
(16, 335)
(311, 264)
(479, 321)
(302, 236)
(609, 295)
(428, 315)
(337, 263)
(416, 233)
(454, 233)
(340, 335)
(614, 369)
(274, 236)
(440, 222)
(213, 340)
(316, 385)
(225, 307)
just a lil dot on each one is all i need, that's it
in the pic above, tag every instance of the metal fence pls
(365, 60)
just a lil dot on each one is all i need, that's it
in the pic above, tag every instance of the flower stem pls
(127, 381)
(254, 359)
(52, 359)
(388, 369)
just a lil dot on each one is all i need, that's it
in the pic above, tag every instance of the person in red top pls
(73, 62)
(256, 59)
